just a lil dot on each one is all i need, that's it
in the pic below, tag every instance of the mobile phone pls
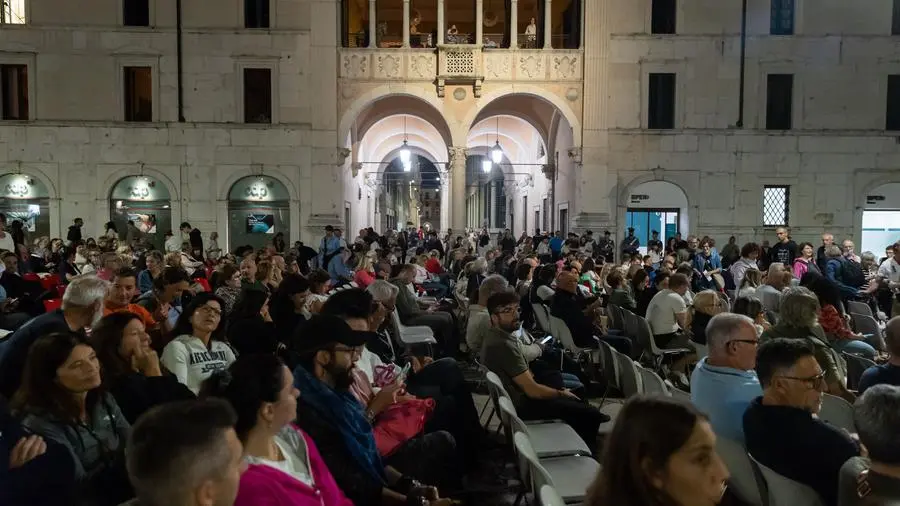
(546, 340)
(405, 371)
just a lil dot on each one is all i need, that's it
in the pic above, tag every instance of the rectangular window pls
(776, 206)
(662, 17)
(257, 95)
(256, 13)
(893, 104)
(782, 17)
(136, 12)
(779, 101)
(895, 18)
(661, 102)
(138, 94)
(14, 92)
(12, 12)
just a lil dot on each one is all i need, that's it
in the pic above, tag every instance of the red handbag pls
(401, 422)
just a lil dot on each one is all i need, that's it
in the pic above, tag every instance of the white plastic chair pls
(678, 393)
(418, 334)
(549, 438)
(857, 307)
(550, 497)
(561, 332)
(837, 412)
(785, 491)
(744, 480)
(652, 383)
(629, 378)
(542, 316)
(570, 476)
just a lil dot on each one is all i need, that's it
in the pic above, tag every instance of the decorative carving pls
(340, 156)
(389, 65)
(371, 180)
(575, 155)
(355, 168)
(476, 88)
(421, 66)
(497, 66)
(456, 154)
(526, 182)
(549, 170)
(532, 66)
(459, 94)
(440, 88)
(356, 65)
(565, 66)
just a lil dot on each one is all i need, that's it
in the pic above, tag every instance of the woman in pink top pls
(284, 466)
(365, 273)
(806, 261)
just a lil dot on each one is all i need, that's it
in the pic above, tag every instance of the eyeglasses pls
(348, 349)
(754, 342)
(506, 310)
(210, 310)
(814, 382)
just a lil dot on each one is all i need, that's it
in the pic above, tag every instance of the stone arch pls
(39, 175)
(626, 189)
(234, 177)
(355, 109)
(687, 212)
(113, 179)
(474, 115)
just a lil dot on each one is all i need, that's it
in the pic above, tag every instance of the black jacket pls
(252, 335)
(14, 349)
(74, 234)
(570, 309)
(136, 393)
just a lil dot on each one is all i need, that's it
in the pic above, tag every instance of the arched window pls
(145, 201)
(258, 208)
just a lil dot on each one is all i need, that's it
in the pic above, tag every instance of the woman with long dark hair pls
(250, 327)
(63, 399)
(284, 465)
(131, 367)
(661, 452)
(199, 348)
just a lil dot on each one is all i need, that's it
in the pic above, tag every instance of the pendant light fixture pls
(486, 163)
(497, 151)
(405, 154)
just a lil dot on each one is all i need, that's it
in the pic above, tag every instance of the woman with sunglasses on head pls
(131, 367)
(661, 452)
(284, 465)
(63, 399)
(199, 349)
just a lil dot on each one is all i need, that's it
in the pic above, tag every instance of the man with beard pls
(533, 401)
(82, 307)
(325, 350)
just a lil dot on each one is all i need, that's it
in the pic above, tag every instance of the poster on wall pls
(27, 218)
(146, 223)
(260, 224)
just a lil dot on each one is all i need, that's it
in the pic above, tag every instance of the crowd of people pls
(279, 375)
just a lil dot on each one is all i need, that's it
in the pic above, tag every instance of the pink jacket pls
(262, 485)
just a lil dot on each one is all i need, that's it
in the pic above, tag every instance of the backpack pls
(852, 273)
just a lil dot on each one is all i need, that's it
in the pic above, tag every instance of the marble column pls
(373, 43)
(548, 24)
(514, 24)
(405, 23)
(457, 187)
(495, 203)
(479, 21)
(441, 29)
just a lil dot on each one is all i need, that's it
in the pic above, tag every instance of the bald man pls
(889, 373)
(821, 259)
(578, 315)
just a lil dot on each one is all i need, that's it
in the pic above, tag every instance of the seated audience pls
(163, 301)
(155, 265)
(748, 261)
(752, 308)
(667, 316)
(533, 401)
(228, 286)
(198, 350)
(803, 448)
(769, 293)
(82, 307)
(250, 327)
(751, 282)
(121, 295)
(479, 321)
(477, 271)
(874, 480)
(339, 425)
(888, 373)
(439, 321)
(579, 316)
(284, 465)
(660, 453)
(707, 304)
(185, 453)
(541, 291)
(621, 294)
(365, 272)
(643, 290)
(63, 399)
(11, 316)
(130, 367)
(724, 382)
(833, 322)
(288, 306)
(798, 319)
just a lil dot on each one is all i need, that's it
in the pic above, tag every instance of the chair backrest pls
(652, 383)
(856, 365)
(530, 468)
(615, 317)
(785, 491)
(509, 419)
(609, 364)
(645, 336)
(542, 316)
(629, 322)
(678, 393)
(862, 308)
(550, 497)
(837, 412)
(561, 332)
(744, 481)
(629, 379)
(866, 324)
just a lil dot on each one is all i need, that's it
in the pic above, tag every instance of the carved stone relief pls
(388, 66)
(356, 65)
(498, 66)
(565, 67)
(531, 66)
(422, 66)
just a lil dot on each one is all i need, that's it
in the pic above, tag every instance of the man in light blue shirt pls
(724, 383)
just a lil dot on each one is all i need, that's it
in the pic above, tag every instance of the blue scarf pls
(343, 410)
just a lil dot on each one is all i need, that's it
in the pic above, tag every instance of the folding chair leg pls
(520, 496)
(487, 423)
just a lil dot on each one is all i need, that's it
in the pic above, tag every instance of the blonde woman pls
(752, 280)
(707, 304)
(365, 272)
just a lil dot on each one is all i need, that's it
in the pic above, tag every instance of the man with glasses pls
(724, 382)
(781, 430)
(502, 354)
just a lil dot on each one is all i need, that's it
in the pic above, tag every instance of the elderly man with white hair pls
(724, 382)
(82, 307)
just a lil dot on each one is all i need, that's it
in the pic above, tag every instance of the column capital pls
(457, 154)
(575, 155)
(356, 168)
(340, 156)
